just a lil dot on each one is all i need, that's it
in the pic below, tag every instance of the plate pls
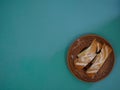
(79, 45)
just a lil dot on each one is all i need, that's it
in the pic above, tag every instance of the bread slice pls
(87, 55)
(99, 61)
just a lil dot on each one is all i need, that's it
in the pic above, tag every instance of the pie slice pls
(87, 55)
(99, 61)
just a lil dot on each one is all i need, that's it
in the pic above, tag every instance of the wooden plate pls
(79, 45)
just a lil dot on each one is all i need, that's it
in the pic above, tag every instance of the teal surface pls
(35, 36)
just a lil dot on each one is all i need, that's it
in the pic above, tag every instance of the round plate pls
(82, 43)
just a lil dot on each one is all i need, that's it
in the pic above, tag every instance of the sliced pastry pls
(99, 60)
(87, 55)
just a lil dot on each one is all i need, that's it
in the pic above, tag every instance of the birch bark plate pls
(82, 43)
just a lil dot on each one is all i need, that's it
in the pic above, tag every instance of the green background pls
(35, 36)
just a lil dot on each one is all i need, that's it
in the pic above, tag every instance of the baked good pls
(99, 61)
(87, 55)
